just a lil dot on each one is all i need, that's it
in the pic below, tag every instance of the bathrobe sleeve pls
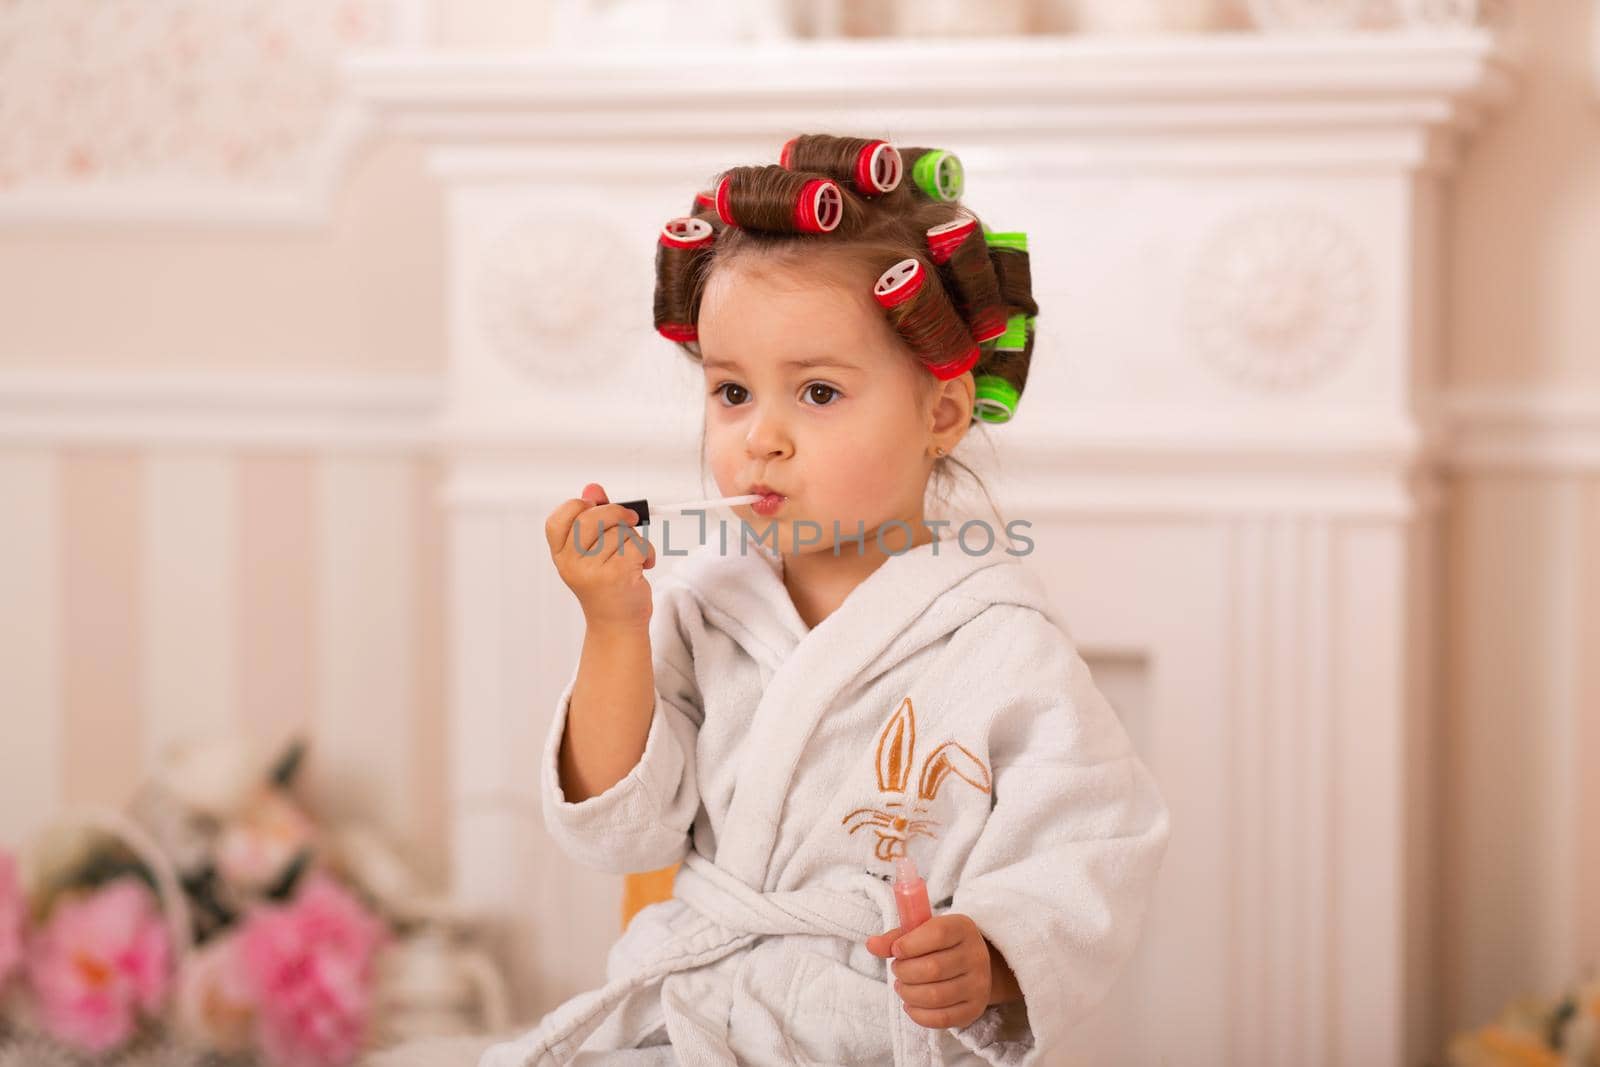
(1059, 878)
(642, 822)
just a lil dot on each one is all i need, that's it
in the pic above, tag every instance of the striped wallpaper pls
(153, 594)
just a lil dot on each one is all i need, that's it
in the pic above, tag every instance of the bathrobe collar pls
(899, 608)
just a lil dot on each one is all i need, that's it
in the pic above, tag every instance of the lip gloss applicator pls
(642, 507)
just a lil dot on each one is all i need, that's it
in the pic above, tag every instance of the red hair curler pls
(959, 247)
(931, 323)
(874, 167)
(681, 240)
(818, 205)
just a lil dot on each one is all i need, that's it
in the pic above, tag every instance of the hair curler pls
(818, 206)
(960, 249)
(682, 240)
(907, 281)
(937, 174)
(874, 167)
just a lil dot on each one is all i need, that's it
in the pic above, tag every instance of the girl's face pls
(811, 394)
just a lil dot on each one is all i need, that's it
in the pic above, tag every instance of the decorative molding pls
(1446, 13)
(1138, 437)
(1225, 100)
(181, 111)
(164, 408)
(1278, 296)
(1281, 805)
(547, 292)
(1538, 431)
(1278, 16)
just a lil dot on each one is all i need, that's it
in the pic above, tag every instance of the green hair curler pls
(996, 399)
(1015, 240)
(939, 175)
(1015, 339)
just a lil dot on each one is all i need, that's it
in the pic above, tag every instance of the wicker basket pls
(114, 824)
(22, 1042)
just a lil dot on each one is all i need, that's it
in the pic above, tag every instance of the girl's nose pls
(767, 438)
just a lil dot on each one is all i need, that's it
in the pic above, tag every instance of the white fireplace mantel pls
(1156, 98)
(1229, 448)
(620, 139)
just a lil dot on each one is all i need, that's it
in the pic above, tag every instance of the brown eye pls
(728, 396)
(822, 394)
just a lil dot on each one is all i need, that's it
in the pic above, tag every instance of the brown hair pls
(959, 296)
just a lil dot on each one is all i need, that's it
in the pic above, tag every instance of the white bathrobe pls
(942, 708)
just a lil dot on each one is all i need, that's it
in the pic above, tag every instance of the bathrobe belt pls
(730, 903)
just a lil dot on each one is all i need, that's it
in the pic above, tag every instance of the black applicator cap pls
(641, 507)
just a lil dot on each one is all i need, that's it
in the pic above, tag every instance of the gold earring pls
(939, 450)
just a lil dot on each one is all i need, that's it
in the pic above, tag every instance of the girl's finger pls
(939, 1018)
(597, 522)
(881, 945)
(934, 967)
(558, 527)
(624, 540)
(931, 936)
(936, 994)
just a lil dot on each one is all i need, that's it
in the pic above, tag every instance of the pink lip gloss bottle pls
(911, 898)
(910, 895)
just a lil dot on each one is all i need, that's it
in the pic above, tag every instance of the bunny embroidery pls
(897, 749)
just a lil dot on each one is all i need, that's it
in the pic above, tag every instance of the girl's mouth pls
(768, 505)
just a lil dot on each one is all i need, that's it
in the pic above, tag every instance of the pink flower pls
(215, 1000)
(100, 961)
(12, 907)
(310, 966)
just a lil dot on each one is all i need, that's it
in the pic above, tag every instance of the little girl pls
(841, 682)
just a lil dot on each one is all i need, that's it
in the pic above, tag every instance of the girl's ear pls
(951, 409)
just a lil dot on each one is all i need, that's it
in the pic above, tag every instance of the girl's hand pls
(609, 581)
(947, 972)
